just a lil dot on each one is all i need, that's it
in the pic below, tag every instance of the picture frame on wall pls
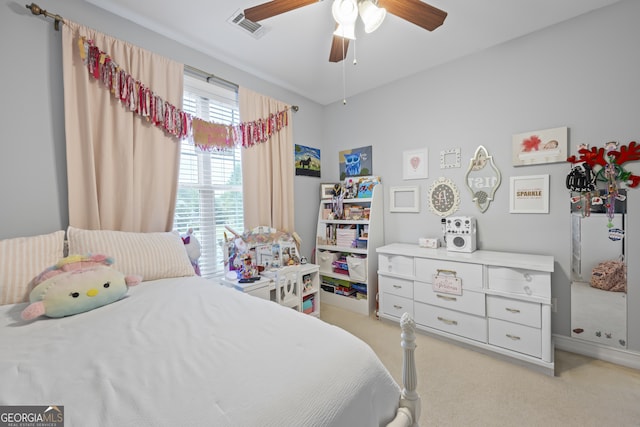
(307, 161)
(355, 162)
(529, 194)
(415, 164)
(540, 147)
(327, 190)
(450, 158)
(404, 199)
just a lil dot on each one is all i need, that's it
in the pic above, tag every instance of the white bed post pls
(410, 405)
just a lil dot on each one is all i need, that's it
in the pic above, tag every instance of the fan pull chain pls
(344, 72)
(355, 61)
(344, 77)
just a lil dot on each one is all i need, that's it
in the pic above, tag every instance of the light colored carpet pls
(462, 387)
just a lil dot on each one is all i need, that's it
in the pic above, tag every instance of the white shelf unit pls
(310, 287)
(375, 238)
(308, 280)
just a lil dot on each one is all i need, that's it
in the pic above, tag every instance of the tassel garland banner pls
(141, 100)
(207, 135)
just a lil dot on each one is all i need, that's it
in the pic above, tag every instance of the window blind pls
(210, 183)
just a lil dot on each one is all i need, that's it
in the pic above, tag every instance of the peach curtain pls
(267, 168)
(122, 171)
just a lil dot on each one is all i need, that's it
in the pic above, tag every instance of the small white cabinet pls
(504, 306)
(307, 279)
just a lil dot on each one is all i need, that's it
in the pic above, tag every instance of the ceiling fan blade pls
(338, 52)
(273, 8)
(422, 14)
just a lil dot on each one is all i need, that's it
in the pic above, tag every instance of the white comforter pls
(188, 352)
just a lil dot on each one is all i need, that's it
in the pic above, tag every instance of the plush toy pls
(77, 284)
(192, 245)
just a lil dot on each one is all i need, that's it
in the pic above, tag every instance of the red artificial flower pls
(531, 143)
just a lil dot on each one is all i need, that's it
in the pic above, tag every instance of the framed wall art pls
(307, 161)
(444, 197)
(404, 199)
(450, 158)
(542, 146)
(328, 190)
(529, 194)
(355, 162)
(415, 164)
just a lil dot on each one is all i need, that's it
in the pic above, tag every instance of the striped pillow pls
(22, 259)
(150, 255)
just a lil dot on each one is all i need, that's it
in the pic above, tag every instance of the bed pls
(186, 351)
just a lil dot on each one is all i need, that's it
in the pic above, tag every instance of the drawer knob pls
(397, 307)
(447, 321)
(397, 286)
(527, 277)
(512, 310)
(527, 290)
(513, 337)
(446, 298)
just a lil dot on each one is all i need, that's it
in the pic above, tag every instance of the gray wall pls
(33, 163)
(581, 74)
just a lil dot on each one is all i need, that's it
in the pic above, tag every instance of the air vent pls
(253, 28)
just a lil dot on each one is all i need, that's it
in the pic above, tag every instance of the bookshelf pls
(346, 251)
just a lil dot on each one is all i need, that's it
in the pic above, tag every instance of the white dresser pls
(497, 302)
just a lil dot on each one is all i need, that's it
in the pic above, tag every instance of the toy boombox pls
(460, 233)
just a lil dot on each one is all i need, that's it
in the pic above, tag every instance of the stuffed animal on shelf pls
(192, 245)
(77, 284)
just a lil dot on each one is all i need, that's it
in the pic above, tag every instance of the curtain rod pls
(209, 76)
(37, 10)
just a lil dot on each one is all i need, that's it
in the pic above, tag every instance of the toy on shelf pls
(260, 249)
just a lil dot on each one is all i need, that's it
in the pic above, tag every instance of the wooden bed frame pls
(410, 403)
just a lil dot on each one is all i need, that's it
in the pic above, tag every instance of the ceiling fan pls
(346, 12)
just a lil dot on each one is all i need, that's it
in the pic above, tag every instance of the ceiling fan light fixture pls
(371, 15)
(345, 13)
(346, 31)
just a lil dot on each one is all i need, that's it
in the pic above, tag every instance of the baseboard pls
(627, 358)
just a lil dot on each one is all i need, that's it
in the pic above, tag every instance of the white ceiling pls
(294, 51)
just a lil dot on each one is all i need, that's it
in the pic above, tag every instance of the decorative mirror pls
(483, 178)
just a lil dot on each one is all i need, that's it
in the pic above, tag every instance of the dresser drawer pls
(469, 302)
(518, 281)
(396, 286)
(395, 264)
(520, 338)
(453, 322)
(470, 274)
(393, 305)
(522, 312)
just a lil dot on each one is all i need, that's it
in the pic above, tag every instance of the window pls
(210, 182)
